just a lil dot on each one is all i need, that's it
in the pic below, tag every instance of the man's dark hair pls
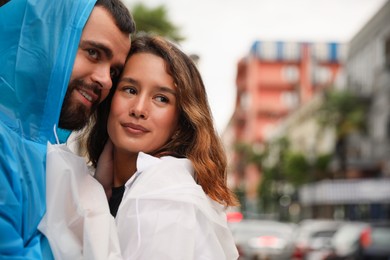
(3, 2)
(123, 19)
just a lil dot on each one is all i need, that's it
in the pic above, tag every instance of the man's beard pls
(75, 115)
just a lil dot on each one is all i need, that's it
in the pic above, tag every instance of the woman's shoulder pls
(169, 180)
(156, 174)
(167, 165)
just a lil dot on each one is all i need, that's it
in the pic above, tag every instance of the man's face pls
(100, 58)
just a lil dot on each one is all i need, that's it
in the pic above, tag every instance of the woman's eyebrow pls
(129, 80)
(160, 88)
(167, 89)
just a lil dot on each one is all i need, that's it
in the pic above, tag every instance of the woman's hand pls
(104, 169)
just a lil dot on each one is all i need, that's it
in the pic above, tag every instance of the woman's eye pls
(130, 90)
(162, 99)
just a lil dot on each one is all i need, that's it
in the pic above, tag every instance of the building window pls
(290, 73)
(245, 101)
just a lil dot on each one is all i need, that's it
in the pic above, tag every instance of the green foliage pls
(344, 111)
(266, 194)
(240, 194)
(289, 167)
(242, 147)
(248, 154)
(295, 168)
(155, 20)
(322, 162)
(321, 167)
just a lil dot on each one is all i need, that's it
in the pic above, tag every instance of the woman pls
(169, 168)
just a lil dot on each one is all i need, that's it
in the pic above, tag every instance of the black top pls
(116, 198)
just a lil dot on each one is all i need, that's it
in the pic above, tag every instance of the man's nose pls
(102, 76)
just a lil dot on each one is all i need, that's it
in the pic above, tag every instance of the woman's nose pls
(139, 110)
(138, 114)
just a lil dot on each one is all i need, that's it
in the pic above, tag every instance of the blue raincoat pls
(38, 44)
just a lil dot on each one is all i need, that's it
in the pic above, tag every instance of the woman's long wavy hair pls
(196, 137)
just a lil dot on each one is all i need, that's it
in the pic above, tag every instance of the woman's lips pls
(134, 128)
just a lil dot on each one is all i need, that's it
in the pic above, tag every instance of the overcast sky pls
(222, 31)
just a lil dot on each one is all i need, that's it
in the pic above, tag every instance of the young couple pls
(160, 155)
(160, 161)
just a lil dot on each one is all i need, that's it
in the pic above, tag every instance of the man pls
(41, 41)
(99, 60)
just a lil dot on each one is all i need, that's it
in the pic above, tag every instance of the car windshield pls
(381, 237)
(257, 229)
(321, 234)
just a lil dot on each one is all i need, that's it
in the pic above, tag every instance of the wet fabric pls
(165, 215)
(38, 44)
(77, 223)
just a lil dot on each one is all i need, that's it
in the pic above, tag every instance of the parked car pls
(263, 239)
(346, 241)
(375, 242)
(312, 240)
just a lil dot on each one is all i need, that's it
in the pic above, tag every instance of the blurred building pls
(279, 88)
(368, 71)
(364, 193)
(277, 78)
(363, 190)
(274, 81)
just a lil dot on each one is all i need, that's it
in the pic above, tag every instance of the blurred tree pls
(279, 167)
(155, 20)
(345, 112)
(321, 167)
(272, 175)
(247, 155)
(295, 168)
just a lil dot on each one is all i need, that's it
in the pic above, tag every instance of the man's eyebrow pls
(107, 51)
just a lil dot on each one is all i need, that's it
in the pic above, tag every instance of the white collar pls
(144, 161)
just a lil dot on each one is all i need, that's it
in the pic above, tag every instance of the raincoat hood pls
(39, 40)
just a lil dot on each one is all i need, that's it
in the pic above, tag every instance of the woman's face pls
(144, 113)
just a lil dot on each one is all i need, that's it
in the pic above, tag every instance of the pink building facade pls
(278, 77)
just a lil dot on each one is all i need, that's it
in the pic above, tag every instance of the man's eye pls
(114, 73)
(93, 53)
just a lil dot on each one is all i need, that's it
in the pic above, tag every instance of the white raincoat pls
(164, 214)
(77, 222)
